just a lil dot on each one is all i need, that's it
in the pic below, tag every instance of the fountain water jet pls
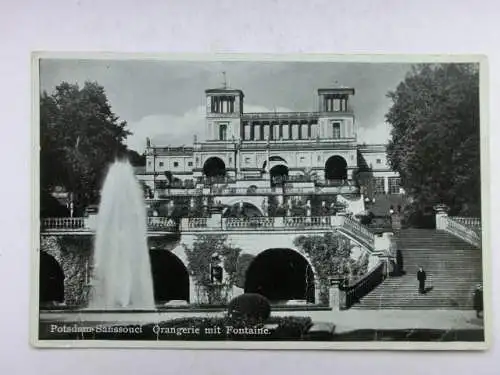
(122, 276)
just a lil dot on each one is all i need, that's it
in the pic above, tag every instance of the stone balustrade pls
(161, 224)
(88, 224)
(181, 192)
(165, 224)
(261, 222)
(194, 223)
(470, 222)
(254, 222)
(467, 229)
(242, 191)
(348, 226)
(64, 223)
(358, 231)
(308, 222)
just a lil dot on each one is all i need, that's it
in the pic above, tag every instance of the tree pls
(434, 142)
(363, 176)
(136, 159)
(201, 257)
(148, 193)
(244, 261)
(330, 256)
(79, 137)
(169, 176)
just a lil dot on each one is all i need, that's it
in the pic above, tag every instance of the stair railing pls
(365, 285)
(359, 231)
(467, 229)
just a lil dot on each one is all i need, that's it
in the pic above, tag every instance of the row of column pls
(335, 104)
(222, 104)
(261, 131)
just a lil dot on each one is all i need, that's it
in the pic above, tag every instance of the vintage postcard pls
(260, 202)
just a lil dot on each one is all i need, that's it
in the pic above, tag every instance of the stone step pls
(433, 283)
(423, 307)
(405, 291)
(413, 292)
(436, 248)
(416, 298)
(453, 267)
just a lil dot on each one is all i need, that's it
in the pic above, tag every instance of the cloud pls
(164, 130)
(374, 135)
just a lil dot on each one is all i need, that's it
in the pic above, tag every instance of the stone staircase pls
(453, 269)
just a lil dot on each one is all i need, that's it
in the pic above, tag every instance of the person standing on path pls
(478, 300)
(421, 277)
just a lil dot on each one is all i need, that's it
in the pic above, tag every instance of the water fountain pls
(122, 271)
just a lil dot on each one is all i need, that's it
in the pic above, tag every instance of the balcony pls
(265, 223)
(348, 226)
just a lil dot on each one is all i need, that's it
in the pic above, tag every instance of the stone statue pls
(265, 206)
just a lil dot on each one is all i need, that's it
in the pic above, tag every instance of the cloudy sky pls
(165, 100)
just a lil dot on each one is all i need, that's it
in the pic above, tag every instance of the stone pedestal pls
(90, 221)
(441, 215)
(383, 242)
(388, 265)
(215, 220)
(336, 295)
(317, 292)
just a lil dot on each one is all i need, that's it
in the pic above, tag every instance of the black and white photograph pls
(260, 202)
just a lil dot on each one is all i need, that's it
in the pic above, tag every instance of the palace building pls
(318, 148)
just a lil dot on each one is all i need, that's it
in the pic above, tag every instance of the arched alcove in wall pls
(281, 274)
(214, 167)
(336, 168)
(51, 280)
(170, 277)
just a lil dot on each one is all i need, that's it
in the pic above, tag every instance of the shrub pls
(242, 265)
(366, 219)
(291, 326)
(250, 308)
(419, 218)
(51, 207)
